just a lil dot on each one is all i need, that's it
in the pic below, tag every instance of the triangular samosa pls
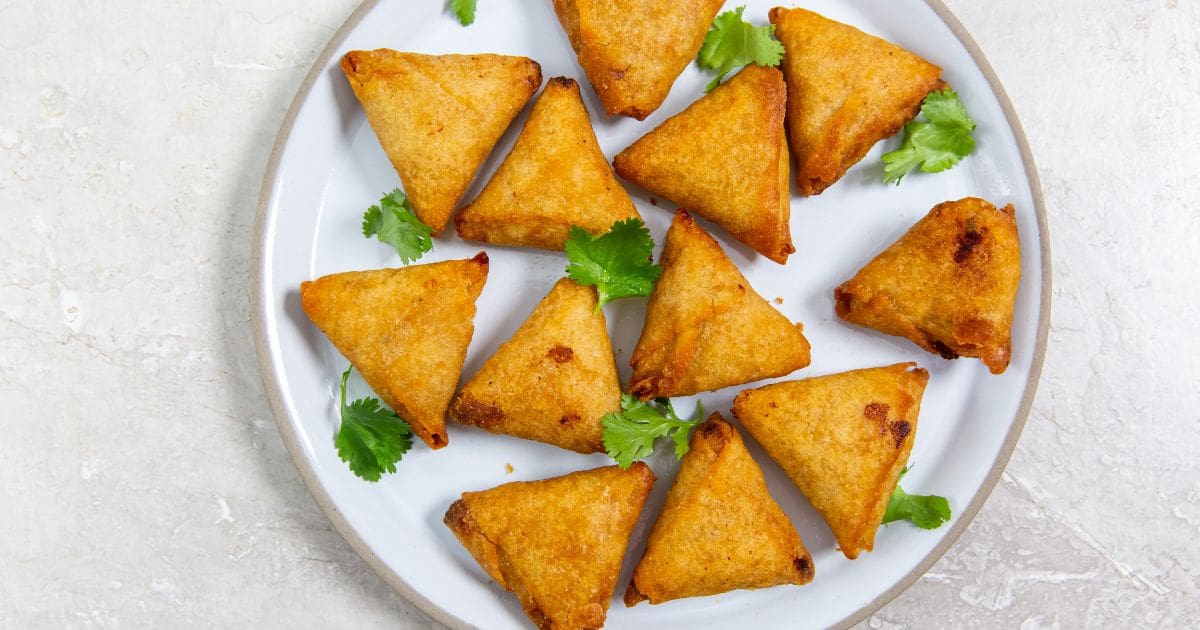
(438, 116)
(847, 90)
(843, 439)
(633, 50)
(555, 177)
(705, 327)
(557, 544)
(725, 158)
(719, 530)
(553, 380)
(949, 284)
(405, 330)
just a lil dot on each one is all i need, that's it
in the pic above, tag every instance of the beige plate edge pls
(291, 440)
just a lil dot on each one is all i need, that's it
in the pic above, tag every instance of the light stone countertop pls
(142, 479)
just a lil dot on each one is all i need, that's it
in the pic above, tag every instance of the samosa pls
(725, 158)
(438, 116)
(949, 284)
(555, 177)
(557, 543)
(405, 330)
(847, 90)
(633, 50)
(705, 326)
(553, 380)
(719, 530)
(843, 439)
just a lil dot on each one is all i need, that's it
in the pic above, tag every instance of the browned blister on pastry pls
(557, 544)
(438, 116)
(725, 158)
(719, 530)
(949, 284)
(706, 328)
(633, 50)
(405, 330)
(553, 380)
(554, 178)
(843, 439)
(847, 90)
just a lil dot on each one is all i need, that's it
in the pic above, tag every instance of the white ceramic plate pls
(328, 167)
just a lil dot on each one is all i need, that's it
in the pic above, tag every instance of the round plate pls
(327, 168)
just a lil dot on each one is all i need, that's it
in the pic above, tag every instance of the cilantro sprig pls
(394, 222)
(630, 434)
(372, 438)
(733, 43)
(464, 10)
(934, 144)
(617, 262)
(925, 511)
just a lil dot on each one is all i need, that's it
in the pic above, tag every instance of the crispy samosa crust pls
(555, 177)
(405, 330)
(725, 158)
(948, 285)
(557, 543)
(633, 50)
(438, 116)
(847, 90)
(553, 380)
(705, 326)
(719, 530)
(843, 439)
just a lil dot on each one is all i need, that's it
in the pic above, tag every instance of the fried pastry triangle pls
(633, 50)
(725, 158)
(438, 116)
(557, 543)
(949, 284)
(843, 439)
(555, 177)
(719, 530)
(553, 380)
(847, 90)
(705, 326)
(405, 330)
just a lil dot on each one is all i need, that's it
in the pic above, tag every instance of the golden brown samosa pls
(843, 439)
(438, 116)
(949, 284)
(405, 330)
(705, 326)
(553, 380)
(847, 90)
(555, 177)
(557, 544)
(719, 530)
(725, 158)
(633, 50)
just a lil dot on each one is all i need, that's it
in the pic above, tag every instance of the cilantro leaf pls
(394, 222)
(732, 43)
(372, 438)
(617, 262)
(925, 511)
(629, 434)
(935, 144)
(464, 10)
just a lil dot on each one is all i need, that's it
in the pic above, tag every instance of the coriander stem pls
(345, 377)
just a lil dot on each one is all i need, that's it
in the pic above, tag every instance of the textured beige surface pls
(143, 482)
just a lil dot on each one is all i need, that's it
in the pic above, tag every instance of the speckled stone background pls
(143, 483)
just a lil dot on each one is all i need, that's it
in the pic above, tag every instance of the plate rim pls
(270, 378)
